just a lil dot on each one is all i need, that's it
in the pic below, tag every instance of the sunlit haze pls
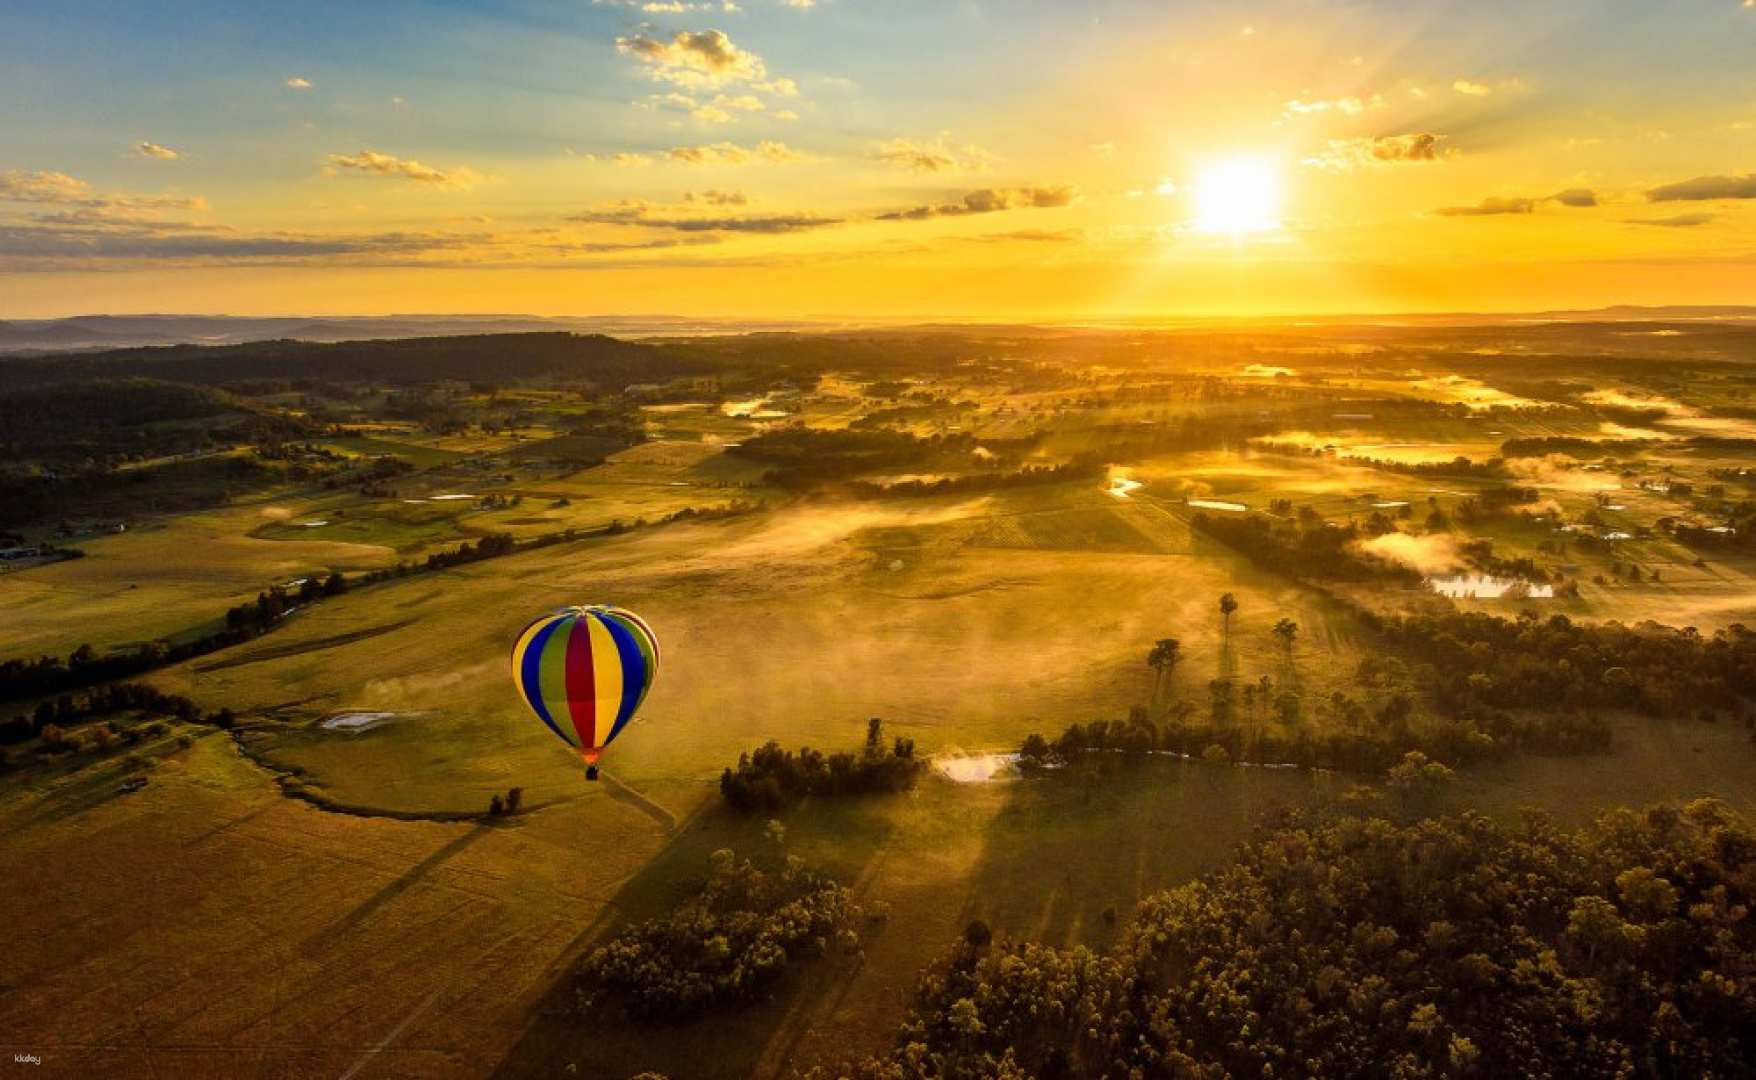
(849, 158)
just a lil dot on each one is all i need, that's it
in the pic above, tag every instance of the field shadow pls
(325, 939)
(758, 1039)
(1067, 857)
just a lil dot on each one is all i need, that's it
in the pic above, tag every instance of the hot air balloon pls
(584, 671)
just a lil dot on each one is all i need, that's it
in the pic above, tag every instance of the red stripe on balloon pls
(582, 700)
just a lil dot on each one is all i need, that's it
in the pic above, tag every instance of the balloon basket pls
(591, 772)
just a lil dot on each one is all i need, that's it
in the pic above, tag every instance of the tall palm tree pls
(1227, 605)
(1287, 630)
(1163, 659)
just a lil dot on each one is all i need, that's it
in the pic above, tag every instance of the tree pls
(1228, 604)
(1163, 659)
(1287, 631)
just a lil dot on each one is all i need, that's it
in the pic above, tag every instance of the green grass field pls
(212, 926)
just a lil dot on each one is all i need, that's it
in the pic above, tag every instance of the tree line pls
(1358, 946)
(772, 778)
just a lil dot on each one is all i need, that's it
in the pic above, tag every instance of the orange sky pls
(849, 159)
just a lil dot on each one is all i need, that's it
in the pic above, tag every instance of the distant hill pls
(593, 358)
(114, 331)
(110, 331)
(99, 418)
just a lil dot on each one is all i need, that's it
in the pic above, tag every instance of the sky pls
(875, 159)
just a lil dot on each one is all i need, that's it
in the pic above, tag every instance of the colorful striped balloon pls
(585, 672)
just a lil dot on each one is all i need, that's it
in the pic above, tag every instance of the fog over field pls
(855, 540)
(1113, 620)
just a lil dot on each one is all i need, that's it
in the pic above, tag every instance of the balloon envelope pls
(584, 672)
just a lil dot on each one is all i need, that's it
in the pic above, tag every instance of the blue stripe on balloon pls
(530, 675)
(633, 671)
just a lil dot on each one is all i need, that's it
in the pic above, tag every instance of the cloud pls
(1489, 207)
(372, 163)
(1031, 236)
(596, 248)
(77, 239)
(728, 153)
(989, 201)
(932, 157)
(713, 197)
(647, 216)
(16, 185)
(1341, 155)
(703, 59)
(1472, 89)
(1706, 187)
(57, 188)
(672, 7)
(299, 82)
(723, 108)
(154, 150)
(1347, 106)
(1574, 197)
(1680, 221)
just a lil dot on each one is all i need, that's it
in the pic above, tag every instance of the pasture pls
(211, 925)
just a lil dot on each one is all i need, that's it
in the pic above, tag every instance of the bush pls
(728, 943)
(773, 778)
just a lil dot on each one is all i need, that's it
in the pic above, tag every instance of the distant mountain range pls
(117, 331)
(120, 331)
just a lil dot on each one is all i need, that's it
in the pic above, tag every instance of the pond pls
(1488, 587)
(977, 768)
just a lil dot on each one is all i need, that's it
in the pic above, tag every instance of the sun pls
(1237, 195)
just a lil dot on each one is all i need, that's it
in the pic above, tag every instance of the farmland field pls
(972, 553)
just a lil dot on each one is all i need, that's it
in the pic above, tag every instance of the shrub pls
(728, 943)
(772, 778)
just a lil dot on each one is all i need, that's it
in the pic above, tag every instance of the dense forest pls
(1364, 947)
(115, 418)
(592, 358)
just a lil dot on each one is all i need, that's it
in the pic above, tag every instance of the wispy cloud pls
(154, 150)
(1489, 207)
(935, 156)
(58, 188)
(373, 163)
(989, 201)
(714, 197)
(1346, 106)
(1680, 221)
(1492, 206)
(1706, 187)
(1340, 155)
(721, 153)
(299, 82)
(648, 217)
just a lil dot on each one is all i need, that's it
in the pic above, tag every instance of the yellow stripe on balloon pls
(606, 664)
